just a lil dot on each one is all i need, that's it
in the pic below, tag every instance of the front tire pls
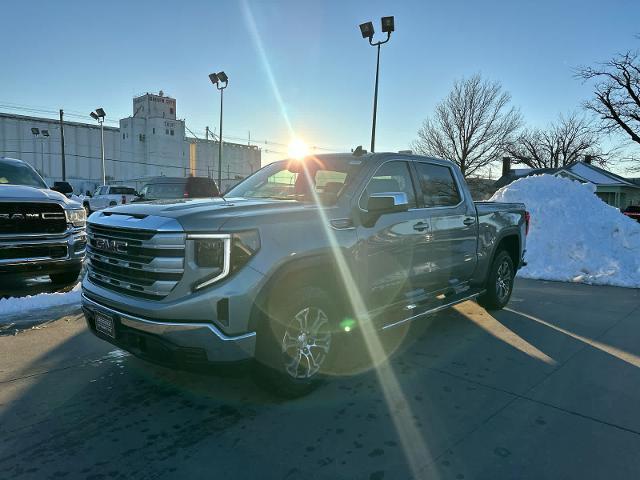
(296, 341)
(65, 278)
(499, 282)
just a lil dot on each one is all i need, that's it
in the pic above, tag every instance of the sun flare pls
(298, 148)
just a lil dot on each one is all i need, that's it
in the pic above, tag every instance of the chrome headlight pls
(78, 217)
(219, 254)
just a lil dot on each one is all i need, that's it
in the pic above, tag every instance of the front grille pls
(32, 252)
(27, 217)
(139, 263)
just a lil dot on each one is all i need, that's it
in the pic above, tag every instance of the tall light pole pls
(220, 80)
(36, 132)
(367, 32)
(99, 115)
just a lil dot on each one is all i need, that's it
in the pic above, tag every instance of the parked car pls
(275, 270)
(107, 196)
(42, 232)
(632, 211)
(167, 188)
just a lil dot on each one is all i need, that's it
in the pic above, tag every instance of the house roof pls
(580, 170)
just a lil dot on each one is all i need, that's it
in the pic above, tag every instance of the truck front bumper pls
(41, 254)
(166, 342)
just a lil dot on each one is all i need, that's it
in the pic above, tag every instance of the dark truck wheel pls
(295, 341)
(65, 278)
(499, 282)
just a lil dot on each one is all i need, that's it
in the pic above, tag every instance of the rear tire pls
(65, 278)
(296, 340)
(499, 282)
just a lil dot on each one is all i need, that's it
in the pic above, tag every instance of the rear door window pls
(438, 185)
(123, 191)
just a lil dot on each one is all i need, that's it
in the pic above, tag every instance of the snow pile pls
(575, 236)
(12, 305)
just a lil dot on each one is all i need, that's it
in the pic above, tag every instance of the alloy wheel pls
(306, 343)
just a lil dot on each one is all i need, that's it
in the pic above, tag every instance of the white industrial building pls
(151, 142)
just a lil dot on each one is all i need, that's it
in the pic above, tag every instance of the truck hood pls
(207, 214)
(24, 193)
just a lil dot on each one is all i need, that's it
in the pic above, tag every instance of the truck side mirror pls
(384, 202)
(387, 202)
(64, 188)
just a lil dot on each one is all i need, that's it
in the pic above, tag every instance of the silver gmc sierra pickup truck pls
(293, 258)
(42, 232)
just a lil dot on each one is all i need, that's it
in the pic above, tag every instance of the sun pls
(298, 149)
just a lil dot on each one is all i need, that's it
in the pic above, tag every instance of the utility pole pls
(206, 137)
(64, 166)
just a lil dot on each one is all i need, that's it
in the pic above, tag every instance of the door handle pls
(421, 226)
(469, 221)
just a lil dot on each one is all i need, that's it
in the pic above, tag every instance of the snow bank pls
(575, 236)
(12, 305)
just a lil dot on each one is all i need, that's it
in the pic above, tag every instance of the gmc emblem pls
(115, 246)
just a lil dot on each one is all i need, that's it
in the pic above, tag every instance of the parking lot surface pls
(548, 388)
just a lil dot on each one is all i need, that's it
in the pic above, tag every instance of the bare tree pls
(617, 93)
(471, 126)
(567, 140)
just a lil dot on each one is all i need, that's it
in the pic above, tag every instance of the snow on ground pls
(575, 236)
(15, 305)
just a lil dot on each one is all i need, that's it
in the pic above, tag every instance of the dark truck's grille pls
(27, 217)
(139, 263)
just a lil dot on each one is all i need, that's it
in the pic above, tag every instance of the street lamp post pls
(36, 132)
(367, 31)
(220, 80)
(99, 115)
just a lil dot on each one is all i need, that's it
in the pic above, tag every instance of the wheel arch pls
(320, 270)
(510, 243)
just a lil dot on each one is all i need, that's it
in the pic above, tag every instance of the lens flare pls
(298, 149)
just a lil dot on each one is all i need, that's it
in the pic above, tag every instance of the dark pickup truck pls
(298, 255)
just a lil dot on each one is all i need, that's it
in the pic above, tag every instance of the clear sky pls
(80, 55)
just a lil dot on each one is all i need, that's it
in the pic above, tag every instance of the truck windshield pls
(304, 181)
(18, 173)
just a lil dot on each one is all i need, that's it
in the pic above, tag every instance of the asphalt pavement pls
(548, 388)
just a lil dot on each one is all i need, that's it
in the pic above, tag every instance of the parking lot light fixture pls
(367, 31)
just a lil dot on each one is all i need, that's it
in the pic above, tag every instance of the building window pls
(171, 111)
(123, 136)
(166, 132)
(154, 130)
(172, 133)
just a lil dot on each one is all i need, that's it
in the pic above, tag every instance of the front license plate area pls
(105, 325)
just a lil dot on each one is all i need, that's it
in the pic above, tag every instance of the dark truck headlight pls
(219, 254)
(78, 217)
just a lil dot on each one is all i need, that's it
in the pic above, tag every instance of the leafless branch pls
(472, 126)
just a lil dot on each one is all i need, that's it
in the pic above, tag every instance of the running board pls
(431, 309)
